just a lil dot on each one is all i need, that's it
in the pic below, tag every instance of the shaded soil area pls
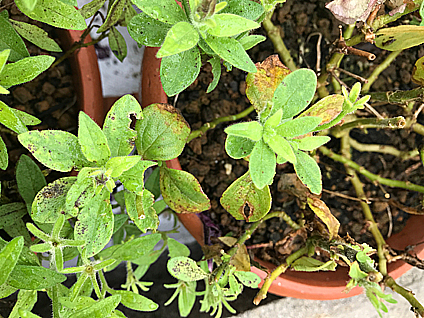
(301, 25)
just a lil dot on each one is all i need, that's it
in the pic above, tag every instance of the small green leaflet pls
(11, 120)
(252, 130)
(309, 264)
(177, 249)
(114, 13)
(313, 142)
(216, 72)
(26, 300)
(281, 147)
(167, 11)
(251, 40)
(89, 9)
(308, 172)
(147, 31)
(136, 248)
(230, 24)
(4, 158)
(298, 126)
(181, 37)
(238, 147)
(9, 256)
(135, 301)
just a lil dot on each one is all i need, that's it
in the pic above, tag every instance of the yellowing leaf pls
(324, 213)
(400, 37)
(418, 72)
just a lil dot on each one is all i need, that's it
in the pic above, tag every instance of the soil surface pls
(301, 23)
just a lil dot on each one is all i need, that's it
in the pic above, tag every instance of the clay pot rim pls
(316, 285)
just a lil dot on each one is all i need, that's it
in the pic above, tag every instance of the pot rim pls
(304, 285)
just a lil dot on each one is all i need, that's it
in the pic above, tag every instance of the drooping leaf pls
(162, 133)
(89, 9)
(252, 130)
(10, 120)
(9, 256)
(95, 224)
(93, 141)
(323, 212)
(51, 200)
(298, 126)
(26, 300)
(179, 71)
(167, 11)
(228, 24)
(114, 13)
(244, 201)
(309, 264)
(260, 86)
(117, 44)
(182, 192)
(64, 151)
(181, 37)
(140, 210)
(55, 13)
(231, 51)
(295, 92)
(9, 39)
(148, 31)
(308, 172)
(36, 35)
(185, 269)
(262, 164)
(216, 72)
(400, 37)
(135, 301)
(327, 108)
(238, 147)
(34, 277)
(29, 179)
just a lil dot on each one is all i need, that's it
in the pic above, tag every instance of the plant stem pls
(386, 149)
(274, 35)
(214, 123)
(377, 71)
(401, 97)
(407, 294)
(277, 272)
(359, 189)
(285, 217)
(418, 128)
(373, 177)
(390, 123)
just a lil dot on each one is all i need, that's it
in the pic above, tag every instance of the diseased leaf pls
(244, 201)
(349, 11)
(167, 11)
(117, 44)
(185, 269)
(101, 308)
(238, 147)
(9, 39)
(9, 256)
(140, 210)
(80, 193)
(34, 277)
(323, 212)
(399, 38)
(248, 279)
(308, 172)
(114, 13)
(245, 8)
(162, 134)
(26, 118)
(262, 164)
(182, 192)
(327, 108)
(181, 37)
(252, 130)
(89, 9)
(418, 72)
(133, 179)
(148, 31)
(216, 72)
(26, 300)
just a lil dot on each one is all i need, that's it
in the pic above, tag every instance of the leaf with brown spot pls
(327, 108)
(244, 201)
(260, 86)
(400, 37)
(322, 211)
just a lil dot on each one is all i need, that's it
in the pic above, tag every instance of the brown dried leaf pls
(350, 11)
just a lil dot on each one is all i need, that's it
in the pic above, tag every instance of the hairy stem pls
(407, 294)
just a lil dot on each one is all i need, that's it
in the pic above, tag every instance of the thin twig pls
(389, 214)
(318, 64)
(386, 149)
(366, 200)
(357, 77)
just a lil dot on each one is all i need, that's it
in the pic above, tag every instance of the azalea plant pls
(73, 217)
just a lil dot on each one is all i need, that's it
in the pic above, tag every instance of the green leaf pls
(309, 264)
(118, 165)
(133, 179)
(186, 298)
(162, 134)
(136, 248)
(26, 118)
(216, 72)
(238, 147)
(400, 37)
(280, 146)
(100, 309)
(182, 192)
(313, 142)
(95, 224)
(177, 249)
(308, 172)
(262, 164)
(24, 70)
(153, 184)
(298, 126)
(93, 141)
(9, 256)
(355, 272)
(36, 35)
(230, 24)
(4, 158)
(51, 200)
(167, 11)
(117, 44)
(250, 41)
(11, 40)
(148, 31)
(181, 37)
(89, 9)
(29, 4)
(135, 301)
(55, 13)
(10, 120)
(179, 71)
(244, 201)
(120, 136)
(231, 51)
(34, 277)
(323, 212)
(244, 8)
(114, 13)
(79, 194)
(295, 92)
(64, 151)
(327, 108)
(185, 269)
(27, 314)
(248, 279)
(26, 300)
(140, 210)
(6, 290)
(252, 130)
(274, 120)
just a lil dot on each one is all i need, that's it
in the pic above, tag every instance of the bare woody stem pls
(214, 123)
(407, 294)
(386, 149)
(401, 97)
(387, 123)
(373, 177)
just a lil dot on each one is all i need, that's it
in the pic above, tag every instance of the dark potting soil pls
(300, 22)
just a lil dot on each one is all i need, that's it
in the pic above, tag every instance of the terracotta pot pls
(86, 75)
(317, 285)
